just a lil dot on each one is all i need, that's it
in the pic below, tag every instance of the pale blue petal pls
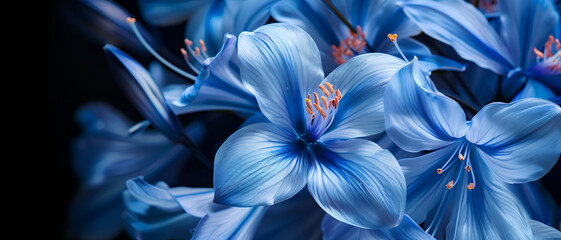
(425, 187)
(526, 25)
(460, 25)
(537, 201)
(289, 60)
(221, 17)
(152, 213)
(490, 211)
(362, 81)
(195, 201)
(418, 116)
(169, 12)
(318, 21)
(534, 89)
(218, 86)
(230, 223)
(144, 94)
(357, 182)
(521, 140)
(259, 165)
(541, 231)
(407, 229)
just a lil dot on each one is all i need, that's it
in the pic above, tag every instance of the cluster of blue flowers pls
(362, 119)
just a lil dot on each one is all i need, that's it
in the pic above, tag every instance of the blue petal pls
(296, 218)
(169, 12)
(195, 201)
(222, 17)
(541, 231)
(425, 187)
(419, 117)
(537, 201)
(152, 213)
(460, 25)
(230, 223)
(534, 89)
(288, 58)
(218, 86)
(521, 140)
(407, 229)
(357, 182)
(526, 25)
(318, 21)
(259, 165)
(362, 81)
(489, 211)
(144, 94)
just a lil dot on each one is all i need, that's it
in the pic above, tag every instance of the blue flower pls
(460, 188)
(105, 156)
(310, 138)
(361, 27)
(516, 50)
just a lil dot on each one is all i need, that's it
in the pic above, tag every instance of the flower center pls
(321, 109)
(462, 155)
(550, 58)
(351, 46)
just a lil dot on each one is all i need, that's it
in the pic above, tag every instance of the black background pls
(77, 74)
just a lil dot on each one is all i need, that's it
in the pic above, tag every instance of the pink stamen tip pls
(197, 51)
(188, 42)
(202, 43)
(131, 20)
(538, 53)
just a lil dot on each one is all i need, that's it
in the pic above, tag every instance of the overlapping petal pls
(521, 140)
(359, 183)
(362, 81)
(407, 229)
(259, 165)
(418, 116)
(460, 25)
(280, 64)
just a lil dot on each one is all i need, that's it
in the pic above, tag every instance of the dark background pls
(78, 73)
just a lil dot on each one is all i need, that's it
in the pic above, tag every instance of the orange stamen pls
(461, 157)
(197, 51)
(320, 110)
(330, 87)
(324, 90)
(392, 37)
(316, 98)
(202, 43)
(538, 53)
(324, 100)
(450, 184)
(468, 168)
(131, 20)
(470, 186)
(439, 170)
(188, 42)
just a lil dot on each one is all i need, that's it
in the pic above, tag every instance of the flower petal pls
(362, 81)
(490, 211)
(541, 231)
(537, 201)
(534, 89)
(144, 94)
(195, 201)
(357, 182)
(169, 12)
(152, 213)
(289, 60)
(521, 140)
(407, 229)
(230, 223)
(460, 25)
(318, 21)
(418, 116)
(259, 165)
(526, 25)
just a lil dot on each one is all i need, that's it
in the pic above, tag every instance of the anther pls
(461, 157)
(468, 168)
(320, 110)
(324, 100)
(330, 87)
(450, 184)
(439, 170)
(202, 44)
(392, 37)
(470, 186)
(324, 90)
(131, 20)
(316, 98)
(188, 42)
(538, 53)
